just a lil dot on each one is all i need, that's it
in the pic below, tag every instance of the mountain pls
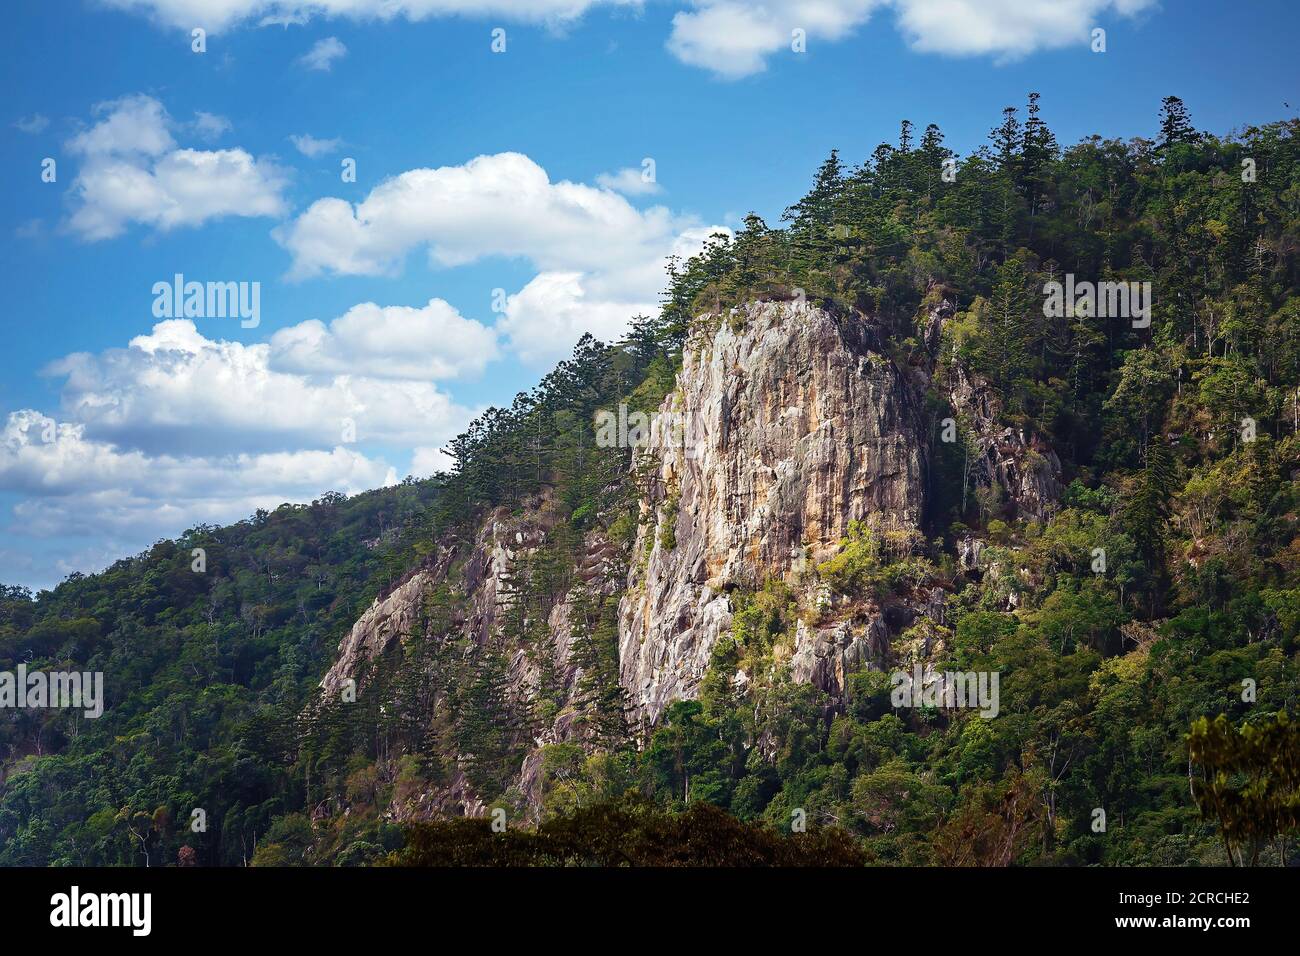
(1016, 431)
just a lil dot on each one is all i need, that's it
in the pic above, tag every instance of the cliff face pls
(792, 424)
(482, 573)
(787, 424)
(392, 617)
(1025, 469)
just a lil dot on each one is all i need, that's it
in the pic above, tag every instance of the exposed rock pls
(1026, 469)
(1021, 464)
(968, 553)
(504, 541)
(787, 424)
(794, 423)
(936, 606)
(825, 657)
(396, 615)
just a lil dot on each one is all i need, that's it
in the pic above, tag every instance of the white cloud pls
(426, 462)
(36, 123)
(132, 125)
(734, 38)
(69, 463)
(177, 391)
(121, 501)
(1006, 28)
(499, 205)
(312, 147)
(178, 428)
(133, 172)
(629, 181)
(210, 125)
(323, 54)
(548, 315)
(216, 15)
(600, 260)
(433, 342)
(730, 38)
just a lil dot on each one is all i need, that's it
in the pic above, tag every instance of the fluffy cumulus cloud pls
(132, 126)
(114, 502)
(1007, 29)
(132, 171)
(734, 38)
(503, 205)
(600, 260)
(210, 125)
(730, 38)
(175, 390)
(388, 342)
(554, 310)
(57, 464)
(179, 428)
(429, 461)
(630, 182)
(549, 314)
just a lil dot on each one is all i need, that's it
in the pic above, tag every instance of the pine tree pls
(1148, 506)
(485, 726)
(1175, 123)
(1007, 140)
(595, 651)
(1007, 334)
(814, 217)
(1037, 153)
(1007, 143)
(932, 154)
(932, 148)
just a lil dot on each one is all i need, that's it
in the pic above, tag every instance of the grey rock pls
(794, 424)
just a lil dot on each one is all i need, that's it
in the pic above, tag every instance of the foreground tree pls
(1251, 784)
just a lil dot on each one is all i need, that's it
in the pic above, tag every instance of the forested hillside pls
(204, 674)
(1172, 447)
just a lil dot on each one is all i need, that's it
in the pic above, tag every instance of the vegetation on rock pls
(1146, 687)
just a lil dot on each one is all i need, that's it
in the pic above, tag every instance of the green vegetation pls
(626, 832)
(1263, 760)
(205, 676)
(1145, 686)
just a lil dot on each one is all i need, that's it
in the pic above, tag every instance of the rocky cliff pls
(482, 575)
(787, 424)
(1024, 469)
(792, 424)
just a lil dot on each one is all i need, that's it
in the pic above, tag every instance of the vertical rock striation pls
(790, 423)
(787, 424)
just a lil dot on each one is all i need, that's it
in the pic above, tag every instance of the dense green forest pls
(1180, 457)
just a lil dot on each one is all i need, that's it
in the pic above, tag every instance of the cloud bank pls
(729, 38)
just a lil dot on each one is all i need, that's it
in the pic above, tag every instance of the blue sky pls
(476, 171)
